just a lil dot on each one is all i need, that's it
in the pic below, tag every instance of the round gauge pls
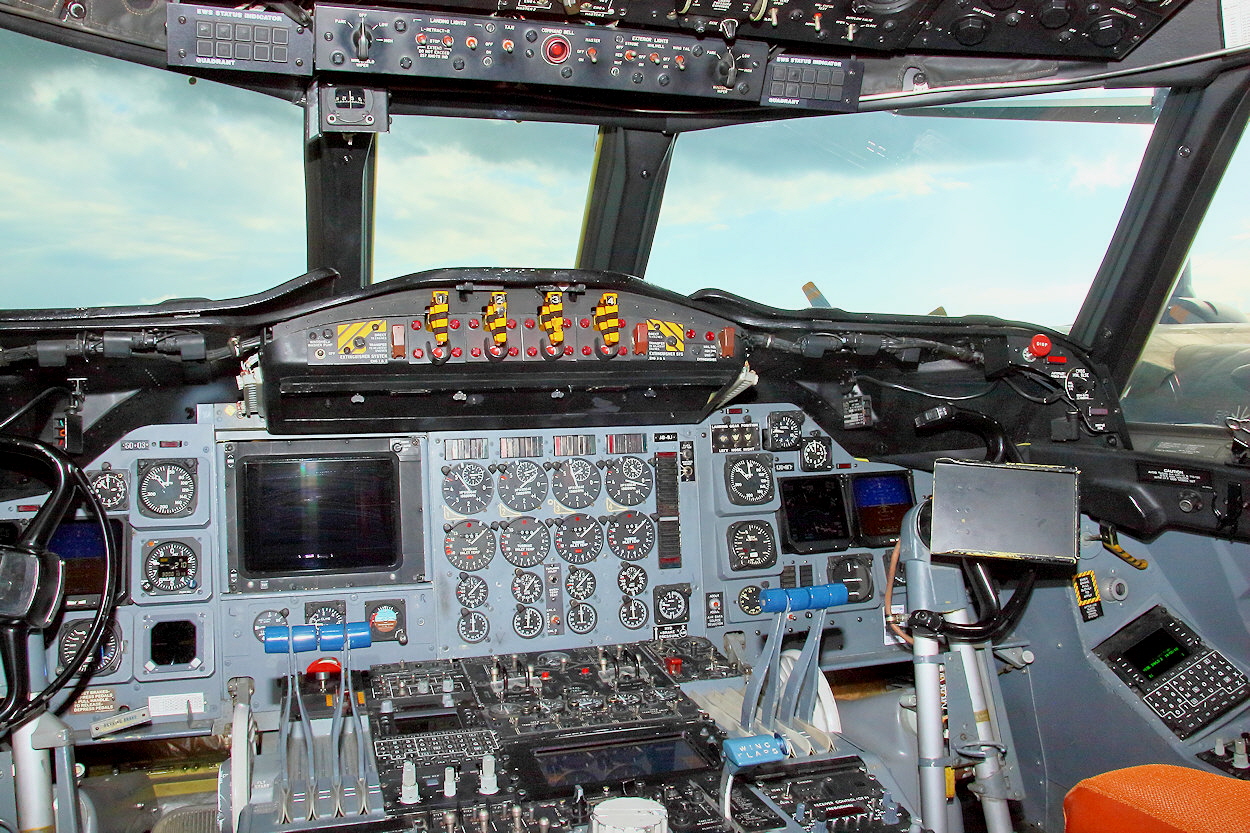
(749, 600)
(525, 542)
(580, 583)
(632, 579)
(582, 618)
(167, 489)
(467, 488)
(629, 480)
(384, 619)
(329, 613)
(527, 622)
(470, 545)
(631, 535)
(170, 567)
(527, 587)
(816, 454)
(633, 613)
(579, 539)
(749, 481)
(785, 429)
(855, 571)
(471, 591)
(267, 619)
(74, 636)
(473, 627)
(672, 605)
(523, 485)
(1079, 384)
(576, 482)
(110, 487)
(752, 545)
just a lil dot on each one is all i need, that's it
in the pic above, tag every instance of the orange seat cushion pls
(1157, 798)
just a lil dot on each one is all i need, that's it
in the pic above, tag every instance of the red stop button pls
(1040, 345)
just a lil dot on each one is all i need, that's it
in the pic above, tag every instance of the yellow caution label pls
(353, 337)
(950, 782)
(672, 336)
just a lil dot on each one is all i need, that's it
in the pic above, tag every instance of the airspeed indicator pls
(752, 545)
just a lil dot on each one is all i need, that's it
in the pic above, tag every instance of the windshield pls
(196, 190)
(124, 184)
(926, 212)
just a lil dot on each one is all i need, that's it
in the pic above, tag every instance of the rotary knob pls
(1105, 32)
(1055, 14)
(970, 30)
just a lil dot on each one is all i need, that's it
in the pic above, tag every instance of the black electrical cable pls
(25, 409)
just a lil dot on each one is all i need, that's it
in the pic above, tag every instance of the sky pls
(126, 184)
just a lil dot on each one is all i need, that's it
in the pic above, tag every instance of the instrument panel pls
(549, 537)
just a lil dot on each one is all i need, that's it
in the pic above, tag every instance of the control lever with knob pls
(362, 40)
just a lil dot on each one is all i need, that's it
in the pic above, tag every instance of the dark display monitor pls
(813, 516)
(567, 766)
(319, 514)
(80, 545)
(311, 514)
(881, 501)
(1156, 654)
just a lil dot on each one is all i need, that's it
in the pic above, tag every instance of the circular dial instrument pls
(672, 605)
(631, 535)
(384, 619)
(632, 579)
(582, 618)
(633, 613)
(110, 487)
(329, 613)
(170, 567)
(467, 488)
(74, 636)
(470, 545)
(576, 483)
(525, 542)
(749, 600)
(527, 587)
(749, 481)
(580, 583)
(167, 489)
(267, 619)
(816, 454)
(579, 539)
(473, 626)
(527, 622)
(629, 480)
(752, 545)
(855, 571)
(471, 591)
(785, 430)
(523, 485)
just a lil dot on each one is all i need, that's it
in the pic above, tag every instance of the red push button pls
(1040, 345)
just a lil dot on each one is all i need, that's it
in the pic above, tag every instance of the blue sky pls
(126, 184)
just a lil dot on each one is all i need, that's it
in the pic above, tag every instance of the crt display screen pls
(881, 501)
(313, 515)
(593, 764)
(1156, 654)
(814, 513)
(81, 547)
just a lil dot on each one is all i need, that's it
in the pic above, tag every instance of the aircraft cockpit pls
(610, 416)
